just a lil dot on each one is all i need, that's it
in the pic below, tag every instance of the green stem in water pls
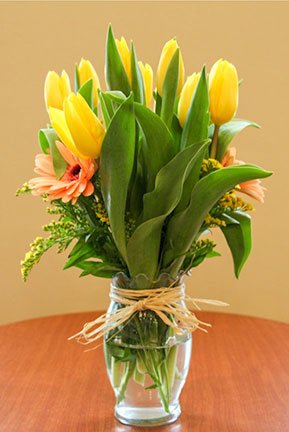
(129, 368)
(171, 365)
(116, 372)
(214, 146)
(151, 360)
(139, 377)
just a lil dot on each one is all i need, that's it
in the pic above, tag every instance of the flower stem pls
(214, 146)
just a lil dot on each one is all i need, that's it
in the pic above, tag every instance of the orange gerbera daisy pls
(253, 188)
(74, 182)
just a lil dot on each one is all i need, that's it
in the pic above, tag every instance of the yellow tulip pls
(86, 72)
(186, 97)
(125, 55)
(223, 92)
(56, 89)
(147, 75)
(59, 124)
(78, 127)
(166, 56)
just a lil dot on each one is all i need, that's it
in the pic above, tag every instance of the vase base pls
(147, 417)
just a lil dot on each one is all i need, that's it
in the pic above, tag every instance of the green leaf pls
(239, 238)
(86, 91)
(197, 123)
(144, 245)
(116, 76)
(169, 89)
(184, 227)
(136, 78)
(98, 268)
(158, 147)
(137, 185)
(176, 131)
(76, 78)
(43, 141)
(81, 251)
(213, 254)
(116, 165)
(106, 108)
(47, 138)
(195, 130)
(193, 178)
(227, 132)
(169, 182)
(115, 96)
(158, 105)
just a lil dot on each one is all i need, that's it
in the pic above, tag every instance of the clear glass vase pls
(147, 364)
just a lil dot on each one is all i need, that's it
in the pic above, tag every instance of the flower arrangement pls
(138, 178)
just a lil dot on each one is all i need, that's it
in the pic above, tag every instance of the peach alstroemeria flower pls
(253, 188)
(74, 182)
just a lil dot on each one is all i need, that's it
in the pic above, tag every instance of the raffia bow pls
(169, 304)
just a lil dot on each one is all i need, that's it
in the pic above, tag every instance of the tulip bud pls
(186, 97)
(85, 128)
(86, 72)
(223, 92)
(166, 56)
(59, 124)
(78, 127)
(56, 89)
(147, 75)
(125, 55)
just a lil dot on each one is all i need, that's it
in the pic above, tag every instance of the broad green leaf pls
(158, 104)
(158, 147)
(81, 251)
(238, 235)
(169, 89)
(193, 178)
(116, 165)
(157, 139)
(183, 228)
(137, 186)
(144, 245)
(197, 123)
(86, 91)
(115, 96)
(176, 131)
(116, 76)
(43, 141)
(227, 132)
(47, 138)
(106, 108)
(169, 182)
(137, 190)
(195, 131)
(136, 78)
(98, 268)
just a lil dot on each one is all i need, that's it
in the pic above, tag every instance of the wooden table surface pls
(238, 380)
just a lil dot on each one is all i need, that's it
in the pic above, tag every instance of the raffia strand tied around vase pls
(170, 304)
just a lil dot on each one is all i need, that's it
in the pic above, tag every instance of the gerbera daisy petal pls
(74, 182)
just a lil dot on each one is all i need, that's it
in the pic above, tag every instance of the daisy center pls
(73, 172)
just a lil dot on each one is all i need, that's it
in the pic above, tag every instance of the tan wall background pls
(37, 37)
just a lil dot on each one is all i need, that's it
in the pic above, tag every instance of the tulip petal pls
(59, 124)
(187, 96)
(86, 72)
(85, 128)
(147, 74)
(125, 55)
(223, 91)
(166, 56)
